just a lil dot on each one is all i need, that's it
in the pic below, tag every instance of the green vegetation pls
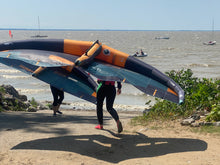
(33, 102)
(49, 105)
(2, 90)
(215, 113)
(201, 95)
(1, 109)
(207, 129)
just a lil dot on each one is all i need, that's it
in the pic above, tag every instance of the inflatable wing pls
(41, 65)
(100, 60)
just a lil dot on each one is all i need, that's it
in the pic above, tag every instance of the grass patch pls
(207, 130)
(175, 124)
(139, 120)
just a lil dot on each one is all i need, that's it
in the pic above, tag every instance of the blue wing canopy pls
(145, 84)
(77, 82)
(45, 60)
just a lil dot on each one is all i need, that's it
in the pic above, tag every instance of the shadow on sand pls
(117, 148)
(33, 122)
(108, 147)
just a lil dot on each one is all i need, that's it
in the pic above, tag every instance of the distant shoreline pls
(93, 29)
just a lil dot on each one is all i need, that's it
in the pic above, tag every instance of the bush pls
(215, 113)
(2, 90)
(200, 95)
(33, 102)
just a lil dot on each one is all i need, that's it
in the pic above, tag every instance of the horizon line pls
(60, 29)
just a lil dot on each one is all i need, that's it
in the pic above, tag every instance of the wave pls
(32, 91)
(9, 71)
(47, 90)
(14, 77)
(199, 65)
(89, 106)
(136, 93)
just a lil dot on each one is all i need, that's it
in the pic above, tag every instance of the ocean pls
(183, 49)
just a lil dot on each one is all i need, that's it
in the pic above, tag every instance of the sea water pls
(184, 49)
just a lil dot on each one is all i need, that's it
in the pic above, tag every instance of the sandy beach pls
(39, 138)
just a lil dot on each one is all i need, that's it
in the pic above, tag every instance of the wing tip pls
(181, 101)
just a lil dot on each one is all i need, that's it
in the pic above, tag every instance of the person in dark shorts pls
(58, 96)
(106, 89)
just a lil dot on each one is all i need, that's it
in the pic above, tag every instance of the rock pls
(7, 96)
(201, 123)
(27, 103)
(146, 111)
(0, 98)
(32, 109)
(23, 97)
(187, 121)
(195, 125)
(5, 106)
(42, 107)
(12, 91)
(208, 123)
(195, 116)
(22, 104)
(217, 124)
(11, 100)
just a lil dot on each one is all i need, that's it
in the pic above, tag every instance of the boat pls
(38, 35)
(211, 42)
(139, 55)
(158, 38)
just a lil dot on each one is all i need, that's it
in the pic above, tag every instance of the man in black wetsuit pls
(106, 89)
(58, 96)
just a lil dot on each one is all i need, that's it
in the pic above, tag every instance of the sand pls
(40, 139)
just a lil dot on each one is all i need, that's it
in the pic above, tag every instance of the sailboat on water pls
(211, 42)
(38, 35)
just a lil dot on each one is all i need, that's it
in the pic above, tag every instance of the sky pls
(111, 14)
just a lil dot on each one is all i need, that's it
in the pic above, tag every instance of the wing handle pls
(90, 54)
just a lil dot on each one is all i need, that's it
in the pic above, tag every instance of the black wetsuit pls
(106, 90)
(58, 96)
